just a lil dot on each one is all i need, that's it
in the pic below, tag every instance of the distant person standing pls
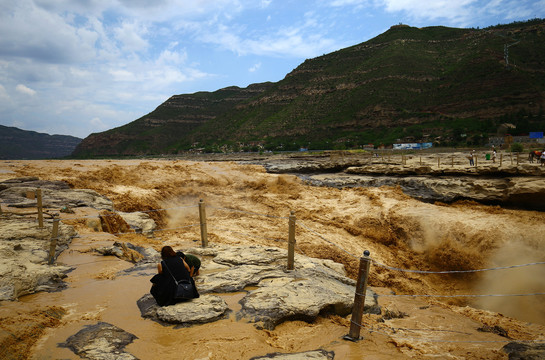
(494, 155)
(471, 158)
(542, 158)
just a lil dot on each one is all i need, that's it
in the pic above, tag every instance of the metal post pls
(40, 210)
(501, 159)
(517, 159)
(202, 216)
(438, 161)
(476, 160)
(359, 298)
(291, 241)
(53, 245)
(452, 161)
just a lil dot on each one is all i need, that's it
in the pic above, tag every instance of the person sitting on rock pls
(164, 287)
(193, 262)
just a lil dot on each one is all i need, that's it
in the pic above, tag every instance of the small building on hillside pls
(412, 146)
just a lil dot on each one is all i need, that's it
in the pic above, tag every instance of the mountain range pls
(450, 86)
(23, 144)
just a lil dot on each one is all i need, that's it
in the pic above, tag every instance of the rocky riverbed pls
(93, 301)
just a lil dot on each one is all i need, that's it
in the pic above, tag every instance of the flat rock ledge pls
(55, 194)
(101, 341)
(274, 295)
(205, 309)
(307, 355)
(24, 254)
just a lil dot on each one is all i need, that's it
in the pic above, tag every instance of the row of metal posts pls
(361, 286)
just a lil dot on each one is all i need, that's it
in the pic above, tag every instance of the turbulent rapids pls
(335, 223)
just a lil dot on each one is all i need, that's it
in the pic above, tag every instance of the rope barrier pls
(331, 243)
(116, 212)
(422, 271)
(383, 331)
(455, 271)
(323, 238)
(371, 330)
(464, 295)
(248, 212)
(134, 231)
(246, 234)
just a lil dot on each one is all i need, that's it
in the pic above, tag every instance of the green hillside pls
(445, 85)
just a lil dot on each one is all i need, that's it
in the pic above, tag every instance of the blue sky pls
(74, 67)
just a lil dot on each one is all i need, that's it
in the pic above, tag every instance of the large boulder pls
(521, 351)
(301, 295)
(24, 255)
(101, 341)
(205, 309)
(140, 222)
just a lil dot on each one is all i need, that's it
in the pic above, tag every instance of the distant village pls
(530, 140)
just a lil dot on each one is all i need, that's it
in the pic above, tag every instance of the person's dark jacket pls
(164, 287)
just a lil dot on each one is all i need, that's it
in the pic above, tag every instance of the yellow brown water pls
(89, 299)
(398, 230)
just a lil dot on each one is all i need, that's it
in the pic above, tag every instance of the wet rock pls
(308, 355)
(24, 255)
(140, 222)
(124, 251)
(301, 295)
(101, 341)
(205, 309)
(249, 255)
(55, 194)
(245, 275)
(520, 351)
(132, 253)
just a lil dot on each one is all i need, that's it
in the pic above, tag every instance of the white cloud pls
(291, 41)
(131, 36)
(465, 12)
(349, 2)
(255, 67)
(25, 90)
(447, 9)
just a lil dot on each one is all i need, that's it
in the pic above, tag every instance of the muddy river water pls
(398, 230)
(99, 290)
